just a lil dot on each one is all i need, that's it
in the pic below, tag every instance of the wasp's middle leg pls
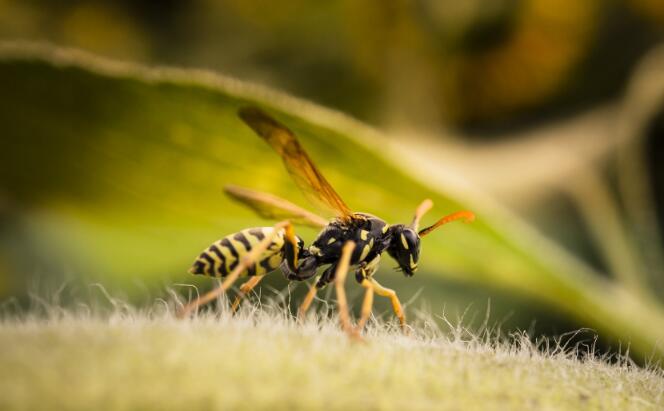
(323, 280)
(304, 307)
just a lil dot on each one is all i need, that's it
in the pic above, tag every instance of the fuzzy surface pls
(262, 359)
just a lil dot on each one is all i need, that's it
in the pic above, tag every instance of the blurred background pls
(418, 64)
(551, 108)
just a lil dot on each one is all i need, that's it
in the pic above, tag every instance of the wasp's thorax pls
(404, 248)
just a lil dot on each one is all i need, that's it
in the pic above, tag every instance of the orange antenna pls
(421, 210)
(468, 216)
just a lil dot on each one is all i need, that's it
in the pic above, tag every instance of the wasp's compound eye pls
(409, 240)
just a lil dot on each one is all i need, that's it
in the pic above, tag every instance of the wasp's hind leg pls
(244, 290)
(244, 263)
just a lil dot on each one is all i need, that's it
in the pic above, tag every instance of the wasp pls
(350, 240)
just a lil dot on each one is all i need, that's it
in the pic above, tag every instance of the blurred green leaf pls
(115, 171)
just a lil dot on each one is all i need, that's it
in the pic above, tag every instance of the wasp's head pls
(404, 248)
(405, 239)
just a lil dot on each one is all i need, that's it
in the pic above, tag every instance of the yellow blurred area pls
(419, 55)
(652, 9)
(105, 29)
(19, 17)
(264, 13)
(547, 41)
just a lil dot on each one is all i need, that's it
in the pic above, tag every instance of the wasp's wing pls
(297, 162)
(274, 208)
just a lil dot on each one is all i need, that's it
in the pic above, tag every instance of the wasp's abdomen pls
(219, 259)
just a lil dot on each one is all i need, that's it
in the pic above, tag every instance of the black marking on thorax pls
(368, 233)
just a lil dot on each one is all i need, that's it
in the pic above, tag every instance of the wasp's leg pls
(245, 289)
(367, 305)
(323, 280)
(307, 269)
(291, 248)
(245, 262)
(339, 282)
(327, 276)
(304, 307)
(298, 264)
(362, 275)
(396, 304)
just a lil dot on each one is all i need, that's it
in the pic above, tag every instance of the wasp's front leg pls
(340, 278)
(362, 275)
(392, 295)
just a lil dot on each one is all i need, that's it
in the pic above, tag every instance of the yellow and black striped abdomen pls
(219, 259)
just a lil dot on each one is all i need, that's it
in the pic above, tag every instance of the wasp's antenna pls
(421, 210)
(468, 216)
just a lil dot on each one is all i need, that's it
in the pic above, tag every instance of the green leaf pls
(117, 170)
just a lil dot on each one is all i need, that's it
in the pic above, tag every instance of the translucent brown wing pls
(297, 162)
(274, 208)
